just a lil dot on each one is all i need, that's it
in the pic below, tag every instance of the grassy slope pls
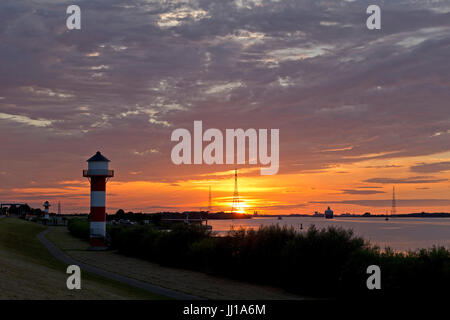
(192, 282)
(28, 271)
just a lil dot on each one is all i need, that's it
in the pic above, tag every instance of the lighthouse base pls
(97, 244)
(97, 248)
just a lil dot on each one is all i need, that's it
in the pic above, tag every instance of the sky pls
(359, 111)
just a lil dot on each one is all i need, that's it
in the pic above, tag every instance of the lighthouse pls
(46, 207)
(98, 172)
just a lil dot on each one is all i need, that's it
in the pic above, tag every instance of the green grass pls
(18, 237)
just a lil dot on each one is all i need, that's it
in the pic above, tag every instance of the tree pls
(120, 213)
(13, 209)
(24, 209)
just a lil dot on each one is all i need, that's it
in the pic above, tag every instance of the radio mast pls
(394, 204)
(235, 206)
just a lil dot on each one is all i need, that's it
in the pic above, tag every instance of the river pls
(400, 234)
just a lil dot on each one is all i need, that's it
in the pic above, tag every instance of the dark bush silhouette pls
(328, 262)
(79, 228)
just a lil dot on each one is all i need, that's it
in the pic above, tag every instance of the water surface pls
(398, 233)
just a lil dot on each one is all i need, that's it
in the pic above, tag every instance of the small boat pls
(280, 218)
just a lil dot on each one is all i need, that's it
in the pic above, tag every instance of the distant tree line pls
(23, 209)
(156, 217)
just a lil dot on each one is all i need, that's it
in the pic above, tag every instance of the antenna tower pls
(209, 200)
(394, 204)
(235, 206)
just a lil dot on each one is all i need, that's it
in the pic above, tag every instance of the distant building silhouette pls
(328, 213)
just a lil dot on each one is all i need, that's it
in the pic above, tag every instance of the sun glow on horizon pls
(355, 187)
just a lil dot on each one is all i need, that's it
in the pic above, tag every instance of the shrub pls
(328, 262)
(79, 228)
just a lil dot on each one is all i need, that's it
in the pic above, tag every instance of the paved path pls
(62, 256)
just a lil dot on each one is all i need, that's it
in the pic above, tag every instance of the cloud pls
(224, 88)
(370, 187)
(388, 202)
(431, 167)
(145, 152)
(280, 207)
(293, 54)
(351, 191)
(419, 179)
(47, 92)
(178, 16)
(25, 120)
(383, 166)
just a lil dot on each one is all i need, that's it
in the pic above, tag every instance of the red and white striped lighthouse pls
(98, 173)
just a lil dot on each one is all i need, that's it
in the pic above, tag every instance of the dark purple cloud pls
(414, 180)
(351, 191)
(431, 167)
(383, 167)
(387, 203)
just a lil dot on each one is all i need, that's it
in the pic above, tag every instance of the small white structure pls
(46, 205)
